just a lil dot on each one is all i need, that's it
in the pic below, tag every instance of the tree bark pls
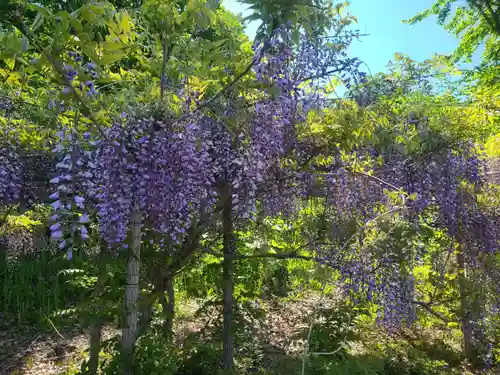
(146, 306)
(170, 311)
(129, 331)
(168, 305)
(411, 285)
(146, 313)
(227, 281)
(21, 208)
(96, 330)
(467, 326)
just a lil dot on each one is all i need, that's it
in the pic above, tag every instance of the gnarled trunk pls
(227, 281)
(96, 330)
(130, 328)
(168, 305)
(146, 313)
(466, 318)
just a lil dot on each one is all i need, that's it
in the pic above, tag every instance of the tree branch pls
(6, 215)
(290, 255)
(437, 314)
(226, 88)
(325, 74)
(494, 21)
(383, 182)
(166, 50)
(192, 241)
(83, 107)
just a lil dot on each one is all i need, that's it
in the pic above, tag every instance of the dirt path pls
(32, 352)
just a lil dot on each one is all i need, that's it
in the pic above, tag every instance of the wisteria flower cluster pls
(74, 184)
(87, 71)
(11, 170)
(445, 180)
(168, 174)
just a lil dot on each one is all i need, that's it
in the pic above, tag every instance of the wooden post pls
(227, 280)
(130, 328)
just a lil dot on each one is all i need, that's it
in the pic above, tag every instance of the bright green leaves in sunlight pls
(475, 22)
(166, 17)
(314, 16)
(477, 25)
(107, 48)
(12, 46)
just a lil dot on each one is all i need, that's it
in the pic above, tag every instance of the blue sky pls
(381, 19)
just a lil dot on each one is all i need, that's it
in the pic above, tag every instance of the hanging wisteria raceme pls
(396, 294)
(11, 169)
(169, 173)
(248, 160)
(383, 281)
(6, 105)
(84, 73)
(117, 184)
(446, 180)
(175, 172)
(302, 69)
(177, 179)
(288, 94)
(450, 181)
(74, 184)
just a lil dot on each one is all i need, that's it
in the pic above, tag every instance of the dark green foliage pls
(155, 356)
(45, 285)
(380, 366)
(335, 328)
(204, 359)
(279, 282)
(395, 112)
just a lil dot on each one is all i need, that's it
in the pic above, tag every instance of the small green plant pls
(202, 360)
(155, 356)
(334, 329)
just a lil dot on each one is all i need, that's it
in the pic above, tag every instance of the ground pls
(273, 343)
(31, 351)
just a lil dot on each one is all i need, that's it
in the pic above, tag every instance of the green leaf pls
(38, 21)
(40, 9)
(201, 20)
(218, 43)
(90, 50)
(252, 17)
(296, 36)
(210, 15)
(111, 58)
(11, 63)
(25, 45)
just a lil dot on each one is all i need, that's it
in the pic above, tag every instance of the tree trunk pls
(168, 306)
(3, 255)
(146, 313)
(467, 325)
(129, 331)
(227, 281)
(170, 312)
(410, 280)
(21, 208)
(146, 305)
(95, 333)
